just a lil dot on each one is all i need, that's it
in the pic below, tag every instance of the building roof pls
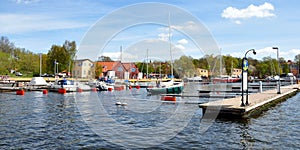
(109, 65)
(80, 60)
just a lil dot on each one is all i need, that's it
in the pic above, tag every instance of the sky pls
(149, 28)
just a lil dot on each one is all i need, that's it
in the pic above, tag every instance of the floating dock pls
(231, 107)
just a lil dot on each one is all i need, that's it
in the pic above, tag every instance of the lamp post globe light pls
(245, 66)
(278, 82)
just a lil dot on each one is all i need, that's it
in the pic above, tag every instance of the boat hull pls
(175, 89)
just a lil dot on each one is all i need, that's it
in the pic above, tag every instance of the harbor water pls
(65, 121)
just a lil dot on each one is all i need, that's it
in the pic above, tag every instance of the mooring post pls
(260, 87)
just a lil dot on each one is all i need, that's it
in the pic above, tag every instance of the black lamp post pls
(245, 66)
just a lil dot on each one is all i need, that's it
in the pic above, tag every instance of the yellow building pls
(236, 72)
(202, 72)
(83, 68)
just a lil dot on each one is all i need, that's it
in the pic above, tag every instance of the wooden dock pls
(231, 108)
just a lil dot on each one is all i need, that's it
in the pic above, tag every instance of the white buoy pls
(124, 104)
(118, 103)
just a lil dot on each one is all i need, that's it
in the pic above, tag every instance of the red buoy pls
(62, 91)
(45, 91)
(20, 92)
(79, 90)
(137, 87)
(94, 89)
(168, 98)
(110, 89)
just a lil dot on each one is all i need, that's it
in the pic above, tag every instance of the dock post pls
(260, 87)
(278, 87)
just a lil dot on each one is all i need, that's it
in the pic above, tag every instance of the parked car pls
(18, 74)
(47, 75)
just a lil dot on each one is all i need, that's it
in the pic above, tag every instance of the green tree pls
(105, 58)
(5, 45)
(184, 67)
(297, 60)
(4, 63)
(62, 55)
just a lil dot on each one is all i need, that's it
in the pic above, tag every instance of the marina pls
(55, 121)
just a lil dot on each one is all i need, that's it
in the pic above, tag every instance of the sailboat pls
(225, 78)
(170, 86)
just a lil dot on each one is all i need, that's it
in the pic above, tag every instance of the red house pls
(119, 69)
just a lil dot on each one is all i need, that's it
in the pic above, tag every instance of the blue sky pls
(236, 26)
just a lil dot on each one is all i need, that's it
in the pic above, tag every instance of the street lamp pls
(245, 66)
(278, 82)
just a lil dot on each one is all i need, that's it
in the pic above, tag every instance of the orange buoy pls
(62, 91)
(45, 91)
(168, 98)
(110, 89)
(20, 92)
(79, 90)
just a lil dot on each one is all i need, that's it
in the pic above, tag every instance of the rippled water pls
(53, 121)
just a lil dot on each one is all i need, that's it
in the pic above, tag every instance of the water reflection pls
(53, 121)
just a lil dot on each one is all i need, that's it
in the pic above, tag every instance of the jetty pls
(258, 102)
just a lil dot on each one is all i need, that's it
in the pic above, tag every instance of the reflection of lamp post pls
(245, 66)
(278, 82)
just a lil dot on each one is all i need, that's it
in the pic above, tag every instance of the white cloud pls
(25, 1)
(189, 26)
(238, 22)
(261, 11)
(19, 23)
(268, 52)
(180, 47)
(183, 41)
(113, 55)
(163, 36)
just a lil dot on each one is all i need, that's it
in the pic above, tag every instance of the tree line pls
(13, 58)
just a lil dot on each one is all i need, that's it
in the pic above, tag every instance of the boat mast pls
(170, 46)
(121, 52)
(147, 64)
(221, 72)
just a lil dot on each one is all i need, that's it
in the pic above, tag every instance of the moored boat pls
(225, 79)
(68, 85)
(166, 88)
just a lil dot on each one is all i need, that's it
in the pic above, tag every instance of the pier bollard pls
(260, 87)
(168, 98)
(20, 92)
(45, 91)
(62, 91)
(278, 88)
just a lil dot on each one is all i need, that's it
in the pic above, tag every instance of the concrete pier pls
(231, 108)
